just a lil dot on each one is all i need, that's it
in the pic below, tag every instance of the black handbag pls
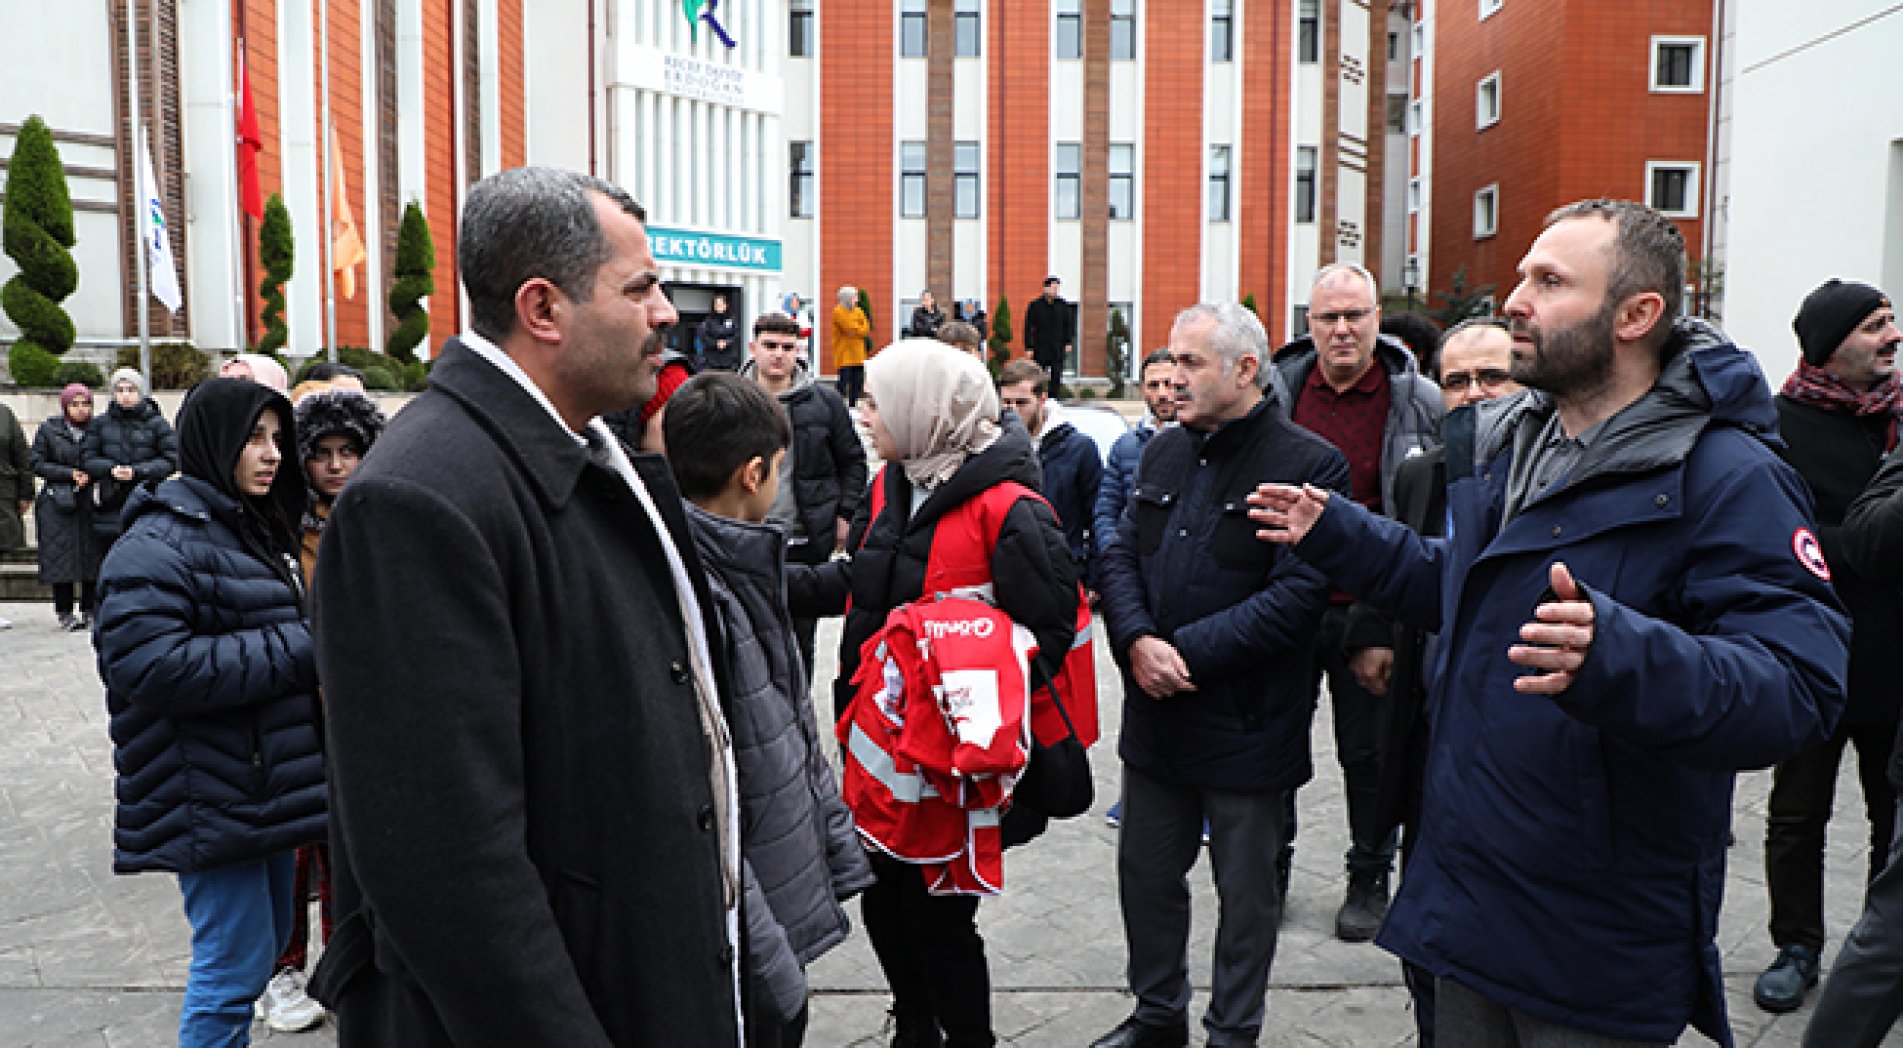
(1057, 780)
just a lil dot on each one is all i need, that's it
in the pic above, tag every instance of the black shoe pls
(1783, 985)
(66, 621)
(1365, 907)
(1132, 1033)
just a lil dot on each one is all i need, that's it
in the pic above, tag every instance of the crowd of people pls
(519, 684)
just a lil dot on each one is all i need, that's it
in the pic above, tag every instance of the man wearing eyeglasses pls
(1362, 392)
(1389, 659)
(823, 475)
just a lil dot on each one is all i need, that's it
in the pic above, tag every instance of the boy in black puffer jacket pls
(800, 855)
(210, 682)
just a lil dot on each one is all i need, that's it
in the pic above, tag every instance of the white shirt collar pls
(506, 364)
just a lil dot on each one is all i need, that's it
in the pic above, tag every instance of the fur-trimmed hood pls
(337, 411)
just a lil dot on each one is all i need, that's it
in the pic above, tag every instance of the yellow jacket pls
(850, 330)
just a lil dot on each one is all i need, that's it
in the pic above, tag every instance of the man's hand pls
(1374, 668)
(1557, 640)
(80, 479)
(122, 473)
(841, 527)
(1158, 668)
(1288, 512)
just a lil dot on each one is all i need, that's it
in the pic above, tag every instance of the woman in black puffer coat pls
(210, 684)
(69, 554)
(130, 445)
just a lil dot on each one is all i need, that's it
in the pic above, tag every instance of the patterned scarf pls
(1814, 386)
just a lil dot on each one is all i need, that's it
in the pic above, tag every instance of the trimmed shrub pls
(277, 250)
(999, 344)
(415, 281)
(36, 230)
(175, 365)
(380, 372)
(84, 372)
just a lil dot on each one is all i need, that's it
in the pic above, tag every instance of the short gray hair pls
(848, 295)
(1238, 333)
(1335, 269)
(529, 222)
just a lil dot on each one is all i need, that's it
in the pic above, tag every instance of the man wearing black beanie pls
(1838, 415)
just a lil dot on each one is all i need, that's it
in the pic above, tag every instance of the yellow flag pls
(346, 245)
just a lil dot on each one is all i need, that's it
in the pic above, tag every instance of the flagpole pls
(330, 234)
(138, 192)
(234, 54)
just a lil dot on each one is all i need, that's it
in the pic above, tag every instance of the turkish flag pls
(250, 144)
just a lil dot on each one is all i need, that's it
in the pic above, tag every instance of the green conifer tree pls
(277, 250)
(415, 265)
(36, 229)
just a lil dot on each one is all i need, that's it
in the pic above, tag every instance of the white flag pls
(158, 243)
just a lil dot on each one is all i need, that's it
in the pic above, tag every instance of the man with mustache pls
(1838, 415)
(1632, 607)
(1362, 392)
(536, 838)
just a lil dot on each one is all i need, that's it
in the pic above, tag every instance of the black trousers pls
(63, 598)
(1358, 718)
(852, 383)
(933, 959)
(1802, 791)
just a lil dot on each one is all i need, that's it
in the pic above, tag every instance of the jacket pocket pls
(1235, 545)
(1152, 506)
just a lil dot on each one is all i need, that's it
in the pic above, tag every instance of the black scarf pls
(213, 428)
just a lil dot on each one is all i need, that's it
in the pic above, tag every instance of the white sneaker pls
(285, 1006)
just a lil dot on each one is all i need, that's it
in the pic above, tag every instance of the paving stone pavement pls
(90, 959)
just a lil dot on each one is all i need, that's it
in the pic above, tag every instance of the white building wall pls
(557, 74)
(1305, 126)
(1816, 184)
(1124, 249)
(1351, 183)
(1222, 116)
(1421, 125)
(1066, 251)
(1394, 160)
(971, 249)
(37, 76)
(705, 161)
(303, 195)
(212, 258)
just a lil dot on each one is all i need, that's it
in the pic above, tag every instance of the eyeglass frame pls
(1488, 378)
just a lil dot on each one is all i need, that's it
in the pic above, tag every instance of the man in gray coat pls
(534, 837)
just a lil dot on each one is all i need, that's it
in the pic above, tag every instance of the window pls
(1222, 23)
(1300, 326)
(1417, 40)
(1394, 46)
(1416, 115)
(911, 180)
(1672, 188)
(1678, 64)
(965, 179)
(1413, 195)
(1070, 28)
(1218, 183)
(799, 30)
(1308, 32)
(912, 38)
(969, 33)
(799, 190)
(1488, 7)
(1068, 165)
(1487, 101)
(1305, 183)
(1487, 212)
(1397, 113)
(1123, 165)
(1123, 29)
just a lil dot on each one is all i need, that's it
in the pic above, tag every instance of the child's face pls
(760, 499)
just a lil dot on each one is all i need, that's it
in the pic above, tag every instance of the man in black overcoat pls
(534, 828)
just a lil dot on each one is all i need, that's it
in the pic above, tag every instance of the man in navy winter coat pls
(1632, 607)
(1070, 462)
(1120, 472)
(1213, 639)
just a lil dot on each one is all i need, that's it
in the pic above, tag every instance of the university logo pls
(698, 11)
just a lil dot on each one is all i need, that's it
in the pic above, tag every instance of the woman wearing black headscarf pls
(206, 657)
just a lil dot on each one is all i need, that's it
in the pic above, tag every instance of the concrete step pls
(20, 580)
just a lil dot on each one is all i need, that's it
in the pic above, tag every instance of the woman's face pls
(126, 395)
(258, 462)
(336, 458)
(80, 410)
(928, 301)
(882, 440)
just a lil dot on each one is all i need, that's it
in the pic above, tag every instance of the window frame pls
(1069, 178)
(800, 172)
(1491, 194)
(913, 20)
(1123, 31)
(1068, 28)
(1307, 185)
(967, 16)
(802, 28)
(1692, 170)
(1697, 84)
(1125, 181)
(1222, 31)
(1482, 119)
(971, 181)
(912, 178)
(1215, 182)
(1308, 32)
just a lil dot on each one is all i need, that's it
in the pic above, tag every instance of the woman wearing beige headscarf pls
(932, 412)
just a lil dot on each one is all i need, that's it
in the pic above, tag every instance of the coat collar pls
(544, 450)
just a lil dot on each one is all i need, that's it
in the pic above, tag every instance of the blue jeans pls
(240, 917)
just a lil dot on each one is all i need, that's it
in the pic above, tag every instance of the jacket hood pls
(1390, 351)
(333, 411)
(1705, 380)
(803, 379)
(213, 428)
